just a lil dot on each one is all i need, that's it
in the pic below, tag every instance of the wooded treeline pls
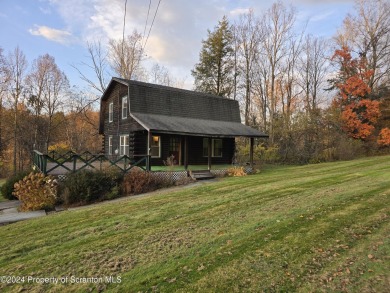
(318, 99)
(40, 110)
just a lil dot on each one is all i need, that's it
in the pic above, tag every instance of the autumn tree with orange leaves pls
(359, 113)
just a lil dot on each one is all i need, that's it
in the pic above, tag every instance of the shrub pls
(60, 148)
(89, 186)
(236, 172)
(8, 187)
(261, 153)
(36, 191)
(138, 181)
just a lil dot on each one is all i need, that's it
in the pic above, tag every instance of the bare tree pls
(368, 34)
(160, 75)
(125, 56)
(48, 86)
(277, 25)
(289, 91)
(248, 38)
(312, 70)
(16, 66)
(98, 63)
(4, 77)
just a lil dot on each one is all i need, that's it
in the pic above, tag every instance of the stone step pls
(201, 175)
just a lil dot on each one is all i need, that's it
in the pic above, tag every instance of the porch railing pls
(70, 162)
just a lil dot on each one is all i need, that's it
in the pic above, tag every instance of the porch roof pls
(192, 126)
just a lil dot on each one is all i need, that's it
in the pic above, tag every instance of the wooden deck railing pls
(70, 162)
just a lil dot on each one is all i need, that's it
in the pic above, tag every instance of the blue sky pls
(61, 28)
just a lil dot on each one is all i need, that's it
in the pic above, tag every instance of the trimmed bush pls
(8, 187)
(36, 191)
(138, 181)
(89, 186)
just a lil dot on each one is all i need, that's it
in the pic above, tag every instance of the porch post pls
(148, 145)
(251, 152)
(209, 153)
(185, 152)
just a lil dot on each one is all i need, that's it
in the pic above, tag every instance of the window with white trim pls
(216, 147)
(110, 145)
(124, 145)
(124, 107)
(155, 147)
(111, 112)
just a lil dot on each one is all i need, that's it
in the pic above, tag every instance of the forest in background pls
(318, 99)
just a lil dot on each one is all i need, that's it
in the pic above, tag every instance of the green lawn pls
(313, 228)
(1, 196)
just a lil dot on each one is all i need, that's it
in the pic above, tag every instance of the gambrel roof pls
(171, 110)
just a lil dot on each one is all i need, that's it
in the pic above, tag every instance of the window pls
(110, 145)
(124, 145)
(155, 147)
(111, 112)
(124, 107)
(205, 147)
(216, 147)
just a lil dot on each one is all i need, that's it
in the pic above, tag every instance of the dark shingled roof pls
(171, 110)
(182, 125)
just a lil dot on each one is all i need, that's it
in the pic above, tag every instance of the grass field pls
(313, 228)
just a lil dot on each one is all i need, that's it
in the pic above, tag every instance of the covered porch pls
(173, 152)
(187, 141)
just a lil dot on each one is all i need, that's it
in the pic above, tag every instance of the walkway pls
(9, 213)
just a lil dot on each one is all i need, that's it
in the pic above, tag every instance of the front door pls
(175, 149)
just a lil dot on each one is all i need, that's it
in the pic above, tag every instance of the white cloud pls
(175, 38)
(322, 16)
(179, 28)
(51, 34)
(44, 10)
(239, 11)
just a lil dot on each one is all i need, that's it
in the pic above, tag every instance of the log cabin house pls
(141, 119)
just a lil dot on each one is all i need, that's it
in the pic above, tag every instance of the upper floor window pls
(124, 107)
(111, 112)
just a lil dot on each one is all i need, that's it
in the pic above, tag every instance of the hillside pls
(315, 227)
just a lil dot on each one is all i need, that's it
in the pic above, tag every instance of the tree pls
(312, 70)
(16, 66)
(359, 113)
(277, 25)
(367, 33)
(160, 75)
(214, 72)
(248, 38)
(3, 81)
(384, 137)
(125, 56)
(48, 86)
(98, 57)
